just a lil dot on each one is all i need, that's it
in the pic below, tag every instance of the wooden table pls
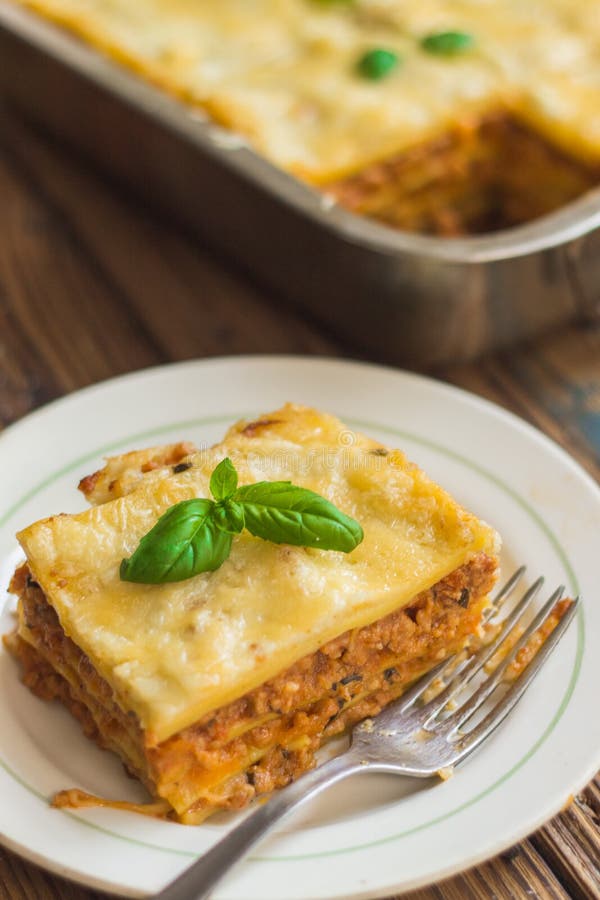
(92, 285)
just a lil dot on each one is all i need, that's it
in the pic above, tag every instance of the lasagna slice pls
(221, 687)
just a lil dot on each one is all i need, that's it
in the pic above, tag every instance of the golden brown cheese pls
(123, 473)
(174, 652)
(283, 74)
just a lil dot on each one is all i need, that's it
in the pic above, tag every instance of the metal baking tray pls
(402, 297)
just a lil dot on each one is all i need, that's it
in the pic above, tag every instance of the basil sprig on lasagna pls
(196, 535)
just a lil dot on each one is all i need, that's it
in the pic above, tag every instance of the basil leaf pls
(196, 535)
(229, 516)
(279, 511)
(185, 541)
(223, 480)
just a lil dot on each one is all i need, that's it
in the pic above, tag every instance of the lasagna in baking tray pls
(222, 686)
(438, 116)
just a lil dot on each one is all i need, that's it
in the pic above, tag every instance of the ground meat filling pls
(465, 182)
(269, 736)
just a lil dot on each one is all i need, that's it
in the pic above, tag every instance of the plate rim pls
(466, 395)
(472, 400)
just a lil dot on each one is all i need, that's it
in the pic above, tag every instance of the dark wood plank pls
(570, 844)
(521, 872)
(67, 325)
(22, 881)
(192, 304)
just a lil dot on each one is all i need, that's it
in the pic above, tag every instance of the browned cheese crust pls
(269, 736)
(121, 474)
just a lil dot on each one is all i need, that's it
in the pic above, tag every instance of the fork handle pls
(197, 882)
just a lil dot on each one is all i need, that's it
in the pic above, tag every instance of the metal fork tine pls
(416, 741)
(420, 686)
(504, 593)
(464, 712)
(478, 661)
(496, 715)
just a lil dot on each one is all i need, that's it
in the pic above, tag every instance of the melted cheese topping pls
(175, 652)
(283, 72)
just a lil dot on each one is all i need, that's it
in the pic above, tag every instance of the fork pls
(413, 736)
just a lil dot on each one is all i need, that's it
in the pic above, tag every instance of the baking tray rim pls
(572, 221)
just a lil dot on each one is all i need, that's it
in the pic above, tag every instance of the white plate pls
(373, 835)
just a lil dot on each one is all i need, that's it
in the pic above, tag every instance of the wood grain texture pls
(521, 872)
(570, 845)
(23, 881)
(93, 285)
